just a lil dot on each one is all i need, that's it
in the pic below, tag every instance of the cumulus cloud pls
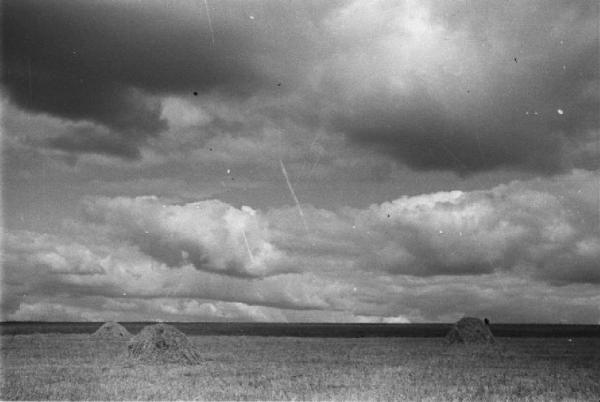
(218, 311)
(51, 253)
(210, 235)
(543, 228)
(40, 267)
(428, 257)
(547, 229)
(49, 312)
(177, 309)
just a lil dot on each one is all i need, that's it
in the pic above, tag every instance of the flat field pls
(76, 367)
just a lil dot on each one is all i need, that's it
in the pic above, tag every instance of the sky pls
(301, 161)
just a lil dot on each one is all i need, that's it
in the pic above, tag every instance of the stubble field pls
(76, 367)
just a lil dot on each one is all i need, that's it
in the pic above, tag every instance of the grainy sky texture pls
(341, 161)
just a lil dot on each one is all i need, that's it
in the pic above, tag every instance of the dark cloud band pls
(99, 61)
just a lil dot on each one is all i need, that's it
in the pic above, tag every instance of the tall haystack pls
(163, 343)
(470, 330)
(111, 330)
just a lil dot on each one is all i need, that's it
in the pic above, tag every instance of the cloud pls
(175, 309)
(218, 311)
(104, 63)
(168, 188)
(43, 267)
(502, 297)
(51, 253)
(434, 86)
(210, 235)
(90, 139)
(49, 312)
(448, 86)
(524, 251)
(542, 228)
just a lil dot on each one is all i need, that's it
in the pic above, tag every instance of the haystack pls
(112, 330)
(163, 343)
(470, 330)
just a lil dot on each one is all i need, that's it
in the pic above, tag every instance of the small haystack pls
(163, 343)
(112, 330)
(470, 330)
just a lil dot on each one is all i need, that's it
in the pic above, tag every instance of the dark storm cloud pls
(100, 62)
(90, 140)
(435, 85)
(467, 86)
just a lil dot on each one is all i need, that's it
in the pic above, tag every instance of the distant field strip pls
(319, 330)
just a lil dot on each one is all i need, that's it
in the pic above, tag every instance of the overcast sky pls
(340, 161)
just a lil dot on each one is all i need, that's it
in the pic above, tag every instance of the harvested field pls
(59, 367)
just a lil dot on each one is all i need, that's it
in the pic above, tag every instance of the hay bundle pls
(470, 330)
(111, 330)
(163, 343)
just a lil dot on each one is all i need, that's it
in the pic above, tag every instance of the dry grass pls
(470, 330)
(61, 367)
(163, 343)
(111, 330)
